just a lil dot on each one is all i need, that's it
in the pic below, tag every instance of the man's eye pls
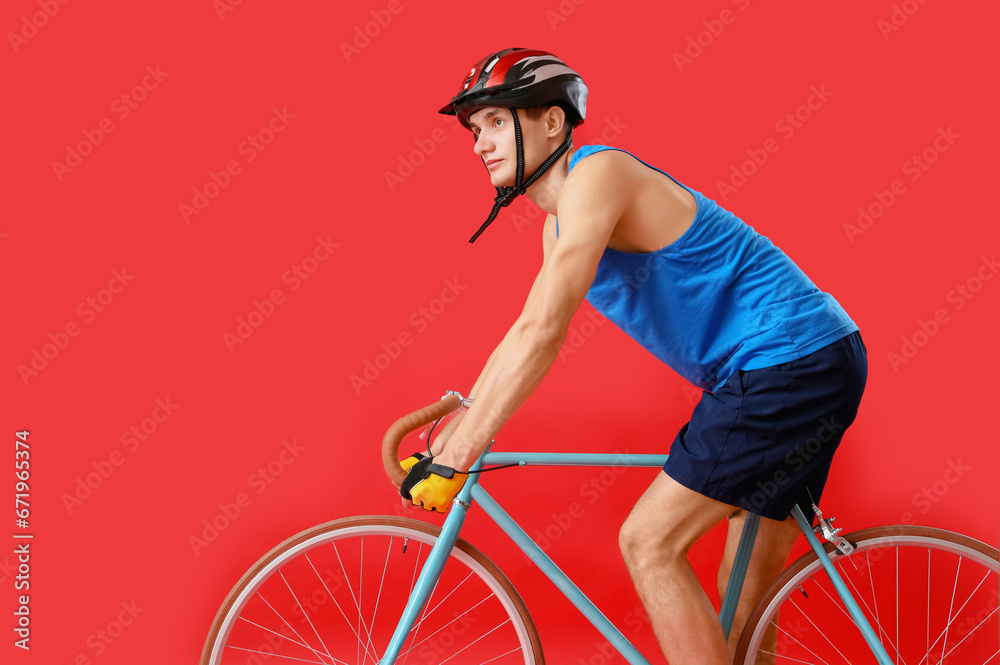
(498, 122)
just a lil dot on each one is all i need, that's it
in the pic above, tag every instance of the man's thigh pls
(671, 518)
(774, 542)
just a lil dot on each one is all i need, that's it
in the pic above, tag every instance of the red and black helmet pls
(520, 78)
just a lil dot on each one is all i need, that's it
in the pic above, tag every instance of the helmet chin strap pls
(505, 195)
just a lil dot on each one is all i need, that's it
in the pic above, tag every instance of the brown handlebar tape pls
(394, 435)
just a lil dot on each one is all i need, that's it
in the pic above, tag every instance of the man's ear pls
(555, 121)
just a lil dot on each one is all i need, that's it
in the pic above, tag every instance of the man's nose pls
(482, 146)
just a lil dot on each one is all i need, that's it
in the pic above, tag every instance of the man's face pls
(493, 128)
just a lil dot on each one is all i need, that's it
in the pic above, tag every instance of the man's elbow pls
(542, 333)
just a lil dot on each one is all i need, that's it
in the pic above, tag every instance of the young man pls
(781, 364)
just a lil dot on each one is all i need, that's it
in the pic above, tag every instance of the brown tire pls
(291, 556)
(902, 566)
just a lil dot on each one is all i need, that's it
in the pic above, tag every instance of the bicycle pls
(396, 590)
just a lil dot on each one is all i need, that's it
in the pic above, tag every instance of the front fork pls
(436, 560)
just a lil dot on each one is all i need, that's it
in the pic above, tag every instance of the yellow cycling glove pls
(431, 486)
(411, 460)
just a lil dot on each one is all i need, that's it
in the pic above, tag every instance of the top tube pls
(575, 459)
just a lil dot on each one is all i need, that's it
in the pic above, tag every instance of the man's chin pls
(502, 180)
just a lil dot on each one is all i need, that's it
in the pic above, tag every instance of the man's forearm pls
(514, 371)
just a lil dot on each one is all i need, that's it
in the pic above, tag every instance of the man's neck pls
(544, 192)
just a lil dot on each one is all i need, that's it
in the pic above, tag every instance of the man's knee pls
(645, 544)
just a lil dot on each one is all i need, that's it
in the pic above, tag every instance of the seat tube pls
(738, 573)
(431, 571)
(852, 606)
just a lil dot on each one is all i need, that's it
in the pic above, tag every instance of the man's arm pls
(590, 205)
(548, 241)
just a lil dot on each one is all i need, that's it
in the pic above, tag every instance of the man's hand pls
(431, 486)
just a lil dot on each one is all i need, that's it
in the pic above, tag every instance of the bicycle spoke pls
(443, 599)
(873, 614)
(347, 578)
(818, 629)
(885, 579)
(413, 646)
(473, 642)
(947, 628)
(871, 585)
(378, 596)
(269, 654)
(284, 637)
(991, 658)
(951, 619)
(776, 656)
(423, 615)
(970, 633)
(469, 610)
(305, 614)
(333, 598)
(413, 582)
(290, 626)
(507, 653)
(361, 582)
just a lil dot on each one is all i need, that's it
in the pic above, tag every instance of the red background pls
(356, 117)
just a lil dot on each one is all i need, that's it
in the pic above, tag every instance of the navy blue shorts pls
(768, 435)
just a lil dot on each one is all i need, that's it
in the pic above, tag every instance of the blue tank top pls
(719, 299)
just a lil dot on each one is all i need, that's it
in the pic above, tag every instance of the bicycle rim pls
(333, 595)
(930, 595)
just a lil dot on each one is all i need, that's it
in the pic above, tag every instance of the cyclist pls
(781, 365)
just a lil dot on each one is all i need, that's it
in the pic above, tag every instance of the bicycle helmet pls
(520, 78)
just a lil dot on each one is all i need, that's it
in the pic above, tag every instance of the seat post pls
(739, 572)
(838, 583)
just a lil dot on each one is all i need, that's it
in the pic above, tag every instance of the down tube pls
(558, 577)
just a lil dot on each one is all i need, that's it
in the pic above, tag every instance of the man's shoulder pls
(604, 169)
(596, 153)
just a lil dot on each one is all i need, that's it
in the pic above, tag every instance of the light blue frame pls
(472, 491)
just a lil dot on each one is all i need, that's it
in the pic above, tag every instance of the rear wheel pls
(930, 595)
(334, 594)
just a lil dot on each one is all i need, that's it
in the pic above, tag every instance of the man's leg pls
(770, 552)
(666, 522)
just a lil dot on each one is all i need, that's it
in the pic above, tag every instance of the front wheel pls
(333, 595)
(930, 595)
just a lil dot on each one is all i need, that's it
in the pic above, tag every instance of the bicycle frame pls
(473, 491)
